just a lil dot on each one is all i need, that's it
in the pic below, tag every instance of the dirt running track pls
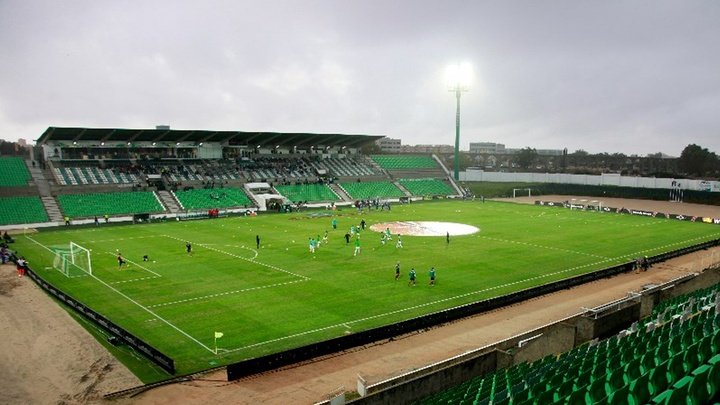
(47, 358)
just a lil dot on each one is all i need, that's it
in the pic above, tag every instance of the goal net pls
(72, 260)
(520, 192)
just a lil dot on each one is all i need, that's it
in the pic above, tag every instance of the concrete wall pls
(590, 180)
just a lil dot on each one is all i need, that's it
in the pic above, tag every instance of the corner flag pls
(217, 335)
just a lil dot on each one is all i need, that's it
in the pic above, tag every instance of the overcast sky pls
(603, 76)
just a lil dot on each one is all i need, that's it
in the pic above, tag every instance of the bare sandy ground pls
(47, 358)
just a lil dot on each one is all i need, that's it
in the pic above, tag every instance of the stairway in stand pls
(169, 201)
(51, 206)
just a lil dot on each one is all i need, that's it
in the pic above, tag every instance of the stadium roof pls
(58, 134)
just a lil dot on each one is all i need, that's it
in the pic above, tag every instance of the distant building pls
(428, 149)
(480, 148)
(22, 142)
(540, 152)
(389, 145)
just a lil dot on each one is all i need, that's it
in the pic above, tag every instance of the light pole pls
(458, 80)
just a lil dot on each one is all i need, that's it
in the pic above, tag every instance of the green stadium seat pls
(394, 162)
(640, 389)
(698, 390)
(22, 210)
(615, 381)
(596, 391)
(676, 369)
(620, 396)
(13, 172)
(714, 381)
(425, 187)
(307, 192)
(632, 370)
(659, 378)
(371, 190)
(212, 198)
(91, 204)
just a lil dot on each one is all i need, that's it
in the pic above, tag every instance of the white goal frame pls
(76, 249)
(69, 257)
(529, 191)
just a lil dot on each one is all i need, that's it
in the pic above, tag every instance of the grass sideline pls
(280, 296)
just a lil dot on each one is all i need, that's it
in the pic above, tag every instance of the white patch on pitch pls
(426, 228)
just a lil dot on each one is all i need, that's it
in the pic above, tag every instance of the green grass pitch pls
(281, 296)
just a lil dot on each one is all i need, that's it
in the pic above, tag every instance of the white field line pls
(224, 293)
(137, 304)
(347, 323)
(124, 239)
(543, 247)
(270, 266)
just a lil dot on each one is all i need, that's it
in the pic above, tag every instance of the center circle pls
(425, 228)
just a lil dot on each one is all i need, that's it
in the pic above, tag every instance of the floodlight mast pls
(458, 77)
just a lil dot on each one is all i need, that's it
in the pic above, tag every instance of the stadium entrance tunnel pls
(425, 228)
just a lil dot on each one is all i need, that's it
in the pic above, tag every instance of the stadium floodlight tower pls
(458, 77)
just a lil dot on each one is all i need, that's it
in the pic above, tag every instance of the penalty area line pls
(165, 321)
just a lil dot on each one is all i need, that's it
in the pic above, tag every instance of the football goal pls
(520, 192)
(72, 260)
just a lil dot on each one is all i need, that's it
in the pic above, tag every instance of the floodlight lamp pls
(74, 142)
(128, 144)
(200, 144)
(277, 146)
(154, 143)
(257, 147)
(458, 76)
(177, 143)
(102, 143)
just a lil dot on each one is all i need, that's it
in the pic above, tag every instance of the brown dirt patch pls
(45, 356)
(48, 358)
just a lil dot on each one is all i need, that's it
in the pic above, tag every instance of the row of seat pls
(91, 204)
(349, 167)
(307, 192)
(91, 175)
(394, 162)
(676, 362)
(371, 190)
(13, 172)
(688, 303)
(22, 210)
(212, 198)
(425, 187)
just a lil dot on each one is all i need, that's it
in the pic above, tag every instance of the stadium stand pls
(677, 361)
(307, 192)
(393, 162)
(90, 204)
(22, 210)
(70, 175)
(372, 189)
(212, 198)
(424, 187)
(13, 172)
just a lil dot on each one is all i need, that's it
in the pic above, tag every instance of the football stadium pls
(221, 263)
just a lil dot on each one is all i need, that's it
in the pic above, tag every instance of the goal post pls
(72, 260)
(521, 192)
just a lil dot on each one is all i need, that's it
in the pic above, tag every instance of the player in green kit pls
(412, 277)
(432, 275)
(357, 246)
